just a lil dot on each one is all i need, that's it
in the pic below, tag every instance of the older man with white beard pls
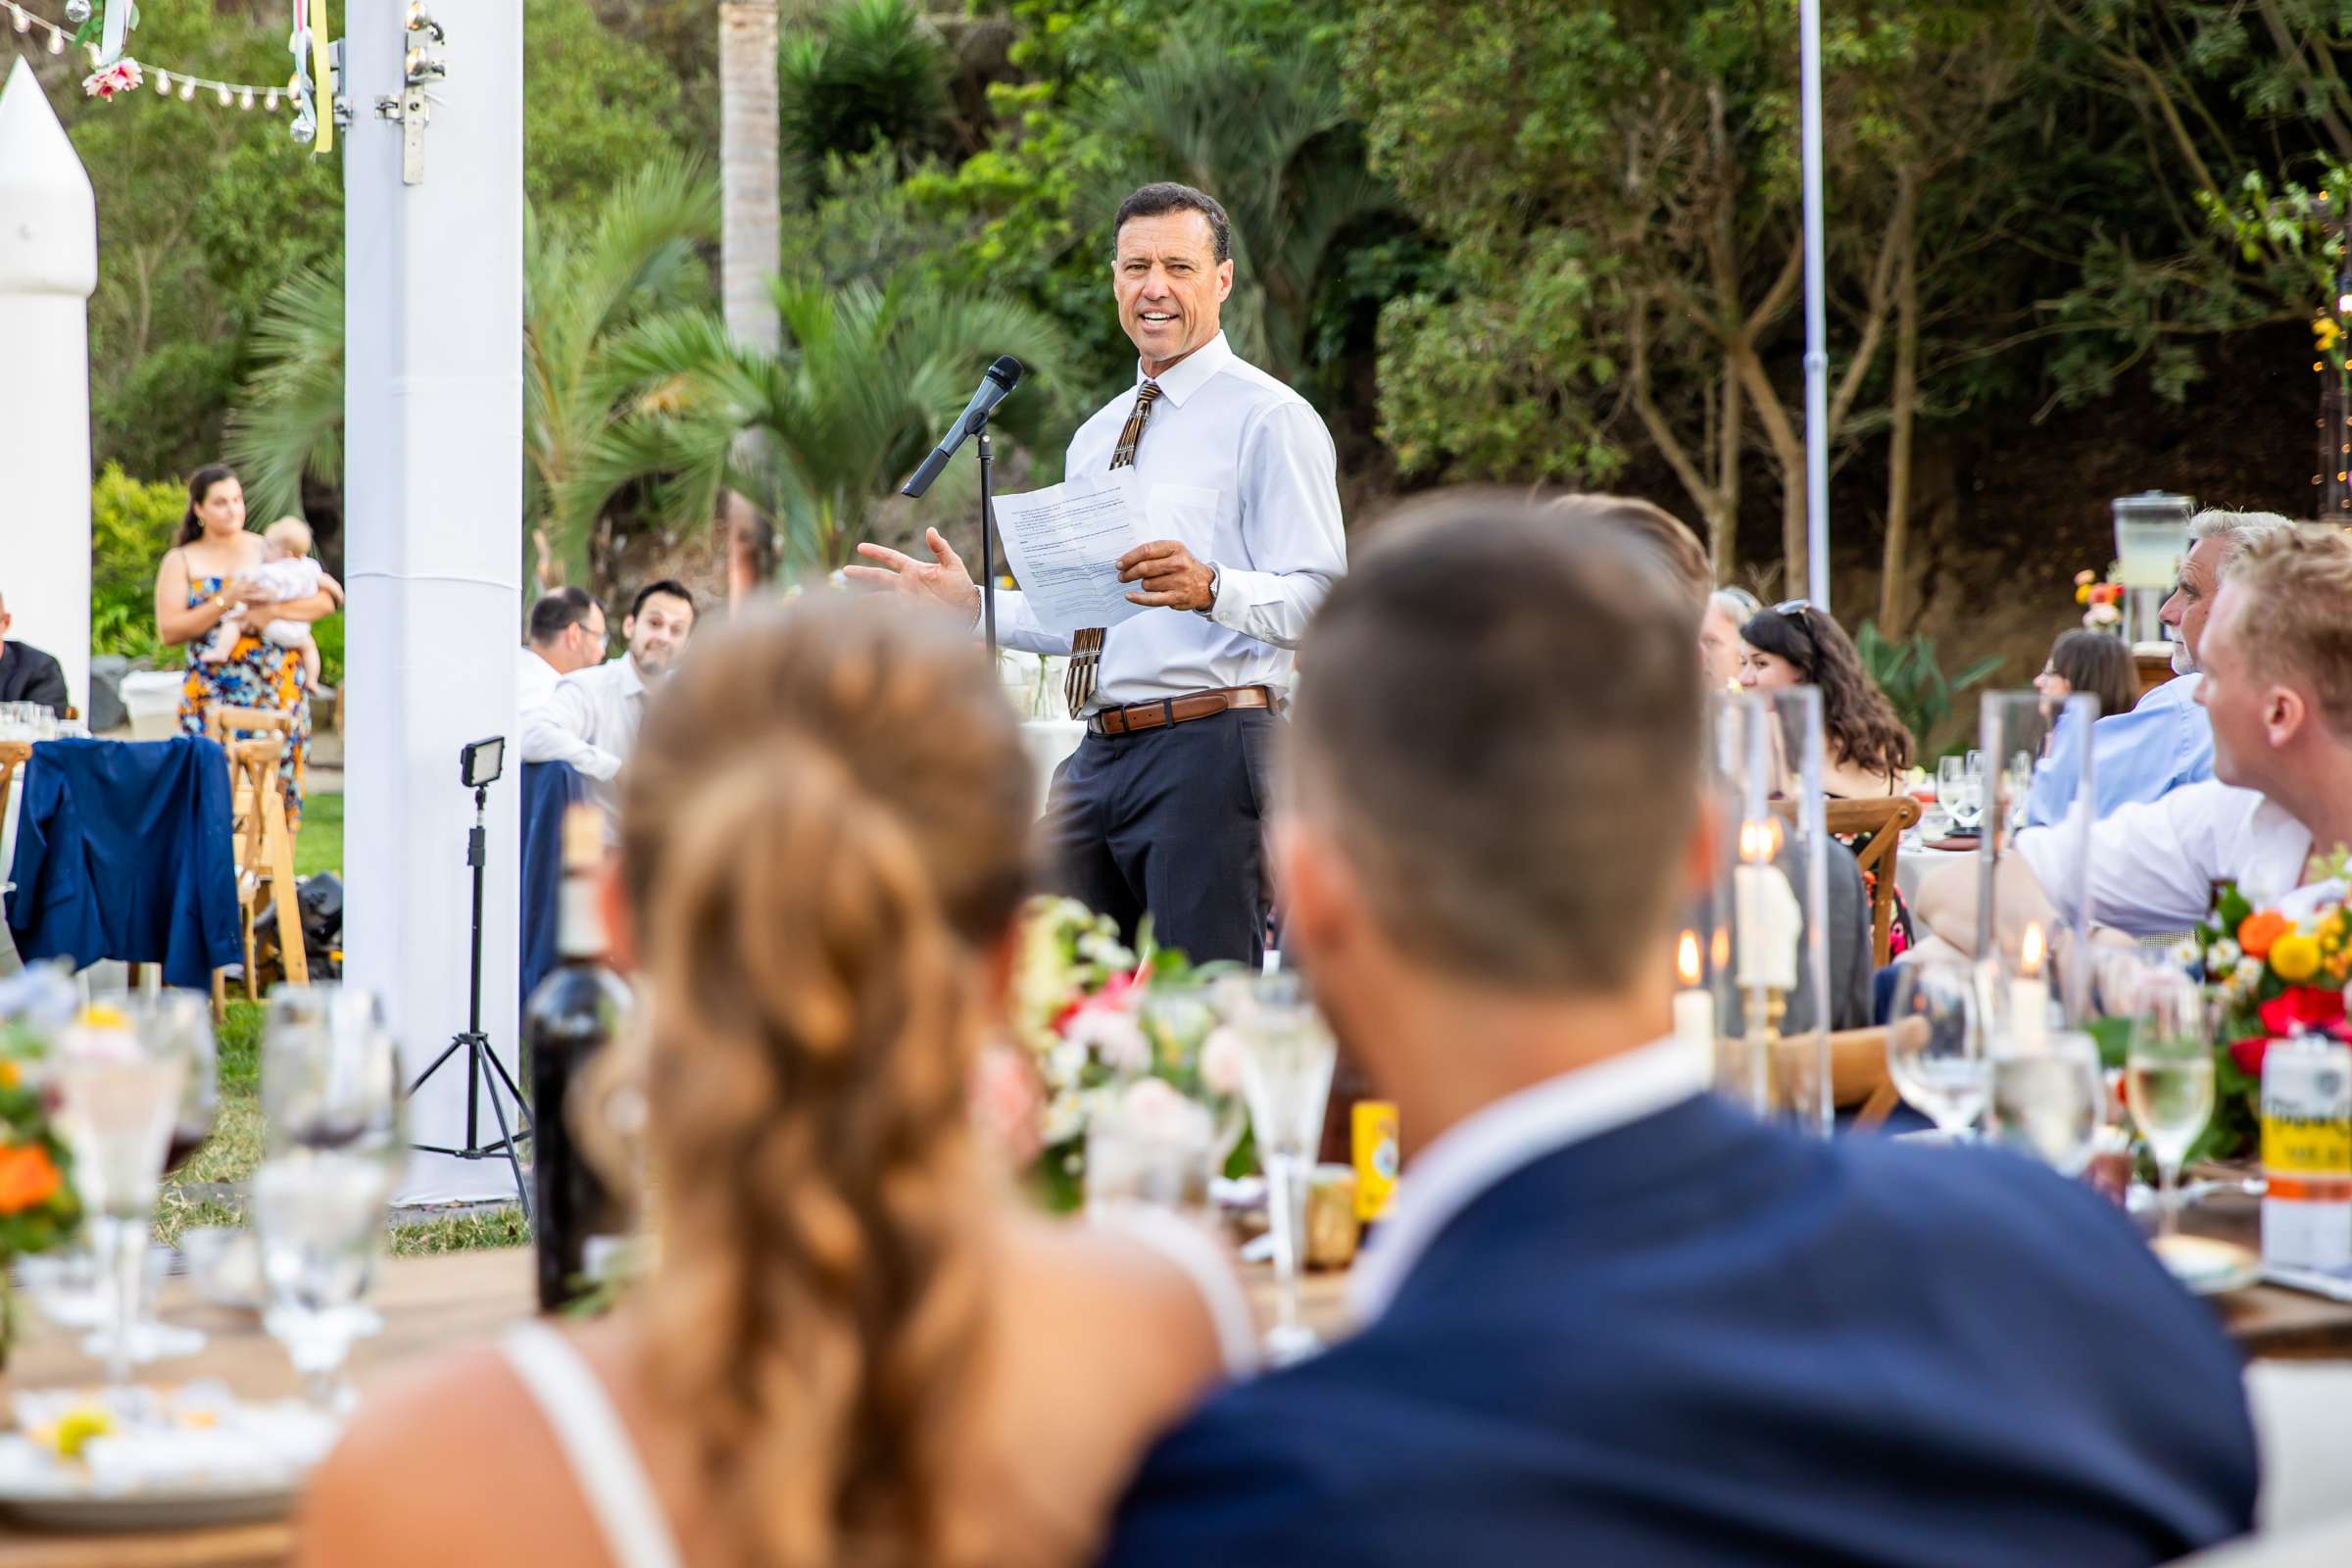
(2165, 741)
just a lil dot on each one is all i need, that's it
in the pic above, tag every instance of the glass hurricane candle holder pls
(1769, 920)
(2036, 754)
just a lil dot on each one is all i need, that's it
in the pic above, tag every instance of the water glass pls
(2168, 1076)
(1960, 791)
(173, 1023)
(330, 1093)
(2051, 1102)
(1286, 1058)
(1935, 1045)
(119, 1094)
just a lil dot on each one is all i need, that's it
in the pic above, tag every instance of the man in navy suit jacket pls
(1612, 1319)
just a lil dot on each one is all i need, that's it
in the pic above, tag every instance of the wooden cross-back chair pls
(260, 845)
(1884, 820)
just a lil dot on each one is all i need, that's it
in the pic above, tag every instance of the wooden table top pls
(433, 1304)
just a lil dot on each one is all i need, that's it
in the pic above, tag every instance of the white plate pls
(2205, 1266)
(151, 1509)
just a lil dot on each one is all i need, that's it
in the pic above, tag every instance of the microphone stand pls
(988, 549)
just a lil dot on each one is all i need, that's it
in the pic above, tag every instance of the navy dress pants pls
(1170, 822)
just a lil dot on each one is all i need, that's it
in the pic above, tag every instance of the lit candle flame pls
(2031, 951)
(1759, 841)
(1686, 959)
(1721, 946)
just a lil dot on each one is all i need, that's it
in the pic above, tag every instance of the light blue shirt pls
(2144, 755)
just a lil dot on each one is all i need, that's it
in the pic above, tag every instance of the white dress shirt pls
(534, 686)
(1496, 1140)
(2153, 863)
(1241, 469)
(590, 722)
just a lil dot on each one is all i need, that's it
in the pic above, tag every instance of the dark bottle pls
(577, 1223)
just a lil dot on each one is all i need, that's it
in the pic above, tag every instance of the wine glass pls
(1287, 1058)
(180, 1023)
(2051, 1102)
(118, 1093)
(330, 1089)
(2168, 1077)
(1935, 1045)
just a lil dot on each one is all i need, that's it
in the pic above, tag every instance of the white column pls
(434, 543)
(48, 269)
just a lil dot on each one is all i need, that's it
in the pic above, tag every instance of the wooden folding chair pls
(1883, 819)
(261, 846)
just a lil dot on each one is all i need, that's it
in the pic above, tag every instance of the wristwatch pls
(1216, 579)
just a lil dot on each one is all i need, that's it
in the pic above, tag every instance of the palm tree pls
(751, 242)
(580, 292)
(1268, 133)
(869, 377)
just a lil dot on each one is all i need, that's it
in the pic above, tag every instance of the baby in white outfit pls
(287, 571)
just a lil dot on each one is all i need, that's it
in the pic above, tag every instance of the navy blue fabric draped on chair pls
(122, 852)
(547, 789)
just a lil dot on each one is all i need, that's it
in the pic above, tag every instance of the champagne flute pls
(117, 1093)
(1935, 1045)
(2051, 1102)
(1287, 1058)
(176, 1022)
(2168, 1078)
(331, 1092)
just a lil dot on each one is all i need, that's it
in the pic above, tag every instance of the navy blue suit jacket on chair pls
(1695, 1339)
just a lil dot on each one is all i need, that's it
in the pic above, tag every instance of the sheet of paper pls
(1064, 543)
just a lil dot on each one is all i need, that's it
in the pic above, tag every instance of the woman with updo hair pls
(856, 1347)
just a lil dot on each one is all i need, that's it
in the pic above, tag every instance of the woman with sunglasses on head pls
(1867, 749)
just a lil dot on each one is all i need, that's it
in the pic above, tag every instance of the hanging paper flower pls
(107, 81)
(2325, 331)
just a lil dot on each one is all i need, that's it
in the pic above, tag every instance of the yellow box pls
(1373, 1142)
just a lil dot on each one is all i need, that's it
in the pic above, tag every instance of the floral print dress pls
(256, 674)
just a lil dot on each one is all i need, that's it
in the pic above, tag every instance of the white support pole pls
(48, 270)
(1817, 330)
(433, 540)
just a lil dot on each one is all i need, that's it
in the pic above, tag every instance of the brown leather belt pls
(1137, 716)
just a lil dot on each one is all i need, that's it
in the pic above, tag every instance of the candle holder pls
(2038, 754)
(2151, 535)
(1768, 932)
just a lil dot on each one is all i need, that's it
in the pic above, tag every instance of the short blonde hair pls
(291, 534)
(1667, 539)
(2297, 584)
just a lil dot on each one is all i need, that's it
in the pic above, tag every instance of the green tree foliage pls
(868, 375)
(131, 526)
(875, 74)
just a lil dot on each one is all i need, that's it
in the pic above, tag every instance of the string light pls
(242, 93)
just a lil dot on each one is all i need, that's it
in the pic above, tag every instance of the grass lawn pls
(318, 846)
(210, 1189)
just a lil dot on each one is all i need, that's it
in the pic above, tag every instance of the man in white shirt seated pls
(2278, 686)
(567, 633)
(592, 721)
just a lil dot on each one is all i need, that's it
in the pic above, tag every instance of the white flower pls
(1113, 1036)
(2223, 956)
(1065, 1062)
(1153, 1109)
(2185, 952)
(1221, 1061)
(1065, 1117)
(2249, 971)
(1105, 948)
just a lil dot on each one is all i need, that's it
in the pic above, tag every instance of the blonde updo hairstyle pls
(825, 830)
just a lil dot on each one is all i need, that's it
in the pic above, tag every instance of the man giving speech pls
(1157, 811)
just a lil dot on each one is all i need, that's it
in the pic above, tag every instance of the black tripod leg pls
(447, 1052)
(497, 1108)
(523, 1113)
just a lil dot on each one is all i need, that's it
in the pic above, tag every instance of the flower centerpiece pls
(39, 1208)
(2101, 599)
(1085, 1013)
(2272, 971)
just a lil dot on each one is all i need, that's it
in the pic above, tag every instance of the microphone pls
(1001, 378)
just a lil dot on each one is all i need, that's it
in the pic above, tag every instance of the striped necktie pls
(1086, 644)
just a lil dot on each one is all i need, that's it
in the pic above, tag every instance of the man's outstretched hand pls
(941, 580)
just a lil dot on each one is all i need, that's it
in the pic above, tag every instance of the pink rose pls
(1221, 1061)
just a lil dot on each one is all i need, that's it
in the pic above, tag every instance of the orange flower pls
(2257, 931)
(28, 1178)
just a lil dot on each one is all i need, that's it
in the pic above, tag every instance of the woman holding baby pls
(244, 603)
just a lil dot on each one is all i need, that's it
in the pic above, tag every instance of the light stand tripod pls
(987, 536)
(476, 1045)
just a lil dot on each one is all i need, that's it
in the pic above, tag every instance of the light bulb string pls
(167, 83)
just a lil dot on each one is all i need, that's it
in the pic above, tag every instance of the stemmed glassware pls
(2168, 1075)
(2050, 1101)
(174, 1023)
(1960, 790)
(1287, 1058)
(119, 1094)
(1935, 1045)
(330, 1093)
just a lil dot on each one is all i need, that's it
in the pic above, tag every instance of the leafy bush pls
(877, 75)
(1915, 683)
(132, 523)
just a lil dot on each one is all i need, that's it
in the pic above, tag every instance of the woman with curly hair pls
(856, 1347)
(1793, 643)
